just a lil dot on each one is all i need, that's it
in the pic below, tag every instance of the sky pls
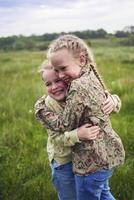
(27, 17)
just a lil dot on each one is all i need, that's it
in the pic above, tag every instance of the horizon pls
(37, 17)
(58, 33)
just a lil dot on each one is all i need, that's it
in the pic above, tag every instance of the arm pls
(76, 104)
(117, 102)
(66, 121)
(67, 138)
(112, 103)
(85, 132)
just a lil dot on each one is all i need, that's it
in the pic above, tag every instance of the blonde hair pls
(46, 65)
(73, 44)
(76, 46)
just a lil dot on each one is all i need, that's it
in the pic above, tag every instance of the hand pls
(88, 132)
(108, 105)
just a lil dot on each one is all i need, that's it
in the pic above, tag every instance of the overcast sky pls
(46, 16)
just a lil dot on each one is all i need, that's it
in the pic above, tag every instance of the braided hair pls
(94, 68)
(76, 46)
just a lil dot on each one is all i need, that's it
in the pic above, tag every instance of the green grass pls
(24, 166)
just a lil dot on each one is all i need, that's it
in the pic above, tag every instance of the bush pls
(43, 46)
(128, 41)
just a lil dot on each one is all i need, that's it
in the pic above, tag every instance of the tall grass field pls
(24, 167)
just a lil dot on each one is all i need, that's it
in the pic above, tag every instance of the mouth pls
(57, 93)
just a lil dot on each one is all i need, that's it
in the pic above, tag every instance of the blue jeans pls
(63, 180)
(94, 186)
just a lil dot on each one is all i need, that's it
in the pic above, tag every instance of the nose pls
(54, 86)
(61, 75)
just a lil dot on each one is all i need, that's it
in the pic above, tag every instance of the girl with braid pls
(94, 160)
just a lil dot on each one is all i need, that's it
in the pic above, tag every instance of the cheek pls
(62, 85)
(76, 72)
(71, 71)
(68, 73)
(49, 90)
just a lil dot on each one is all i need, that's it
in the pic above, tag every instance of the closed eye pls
(63, 68)
(60, 69)
(47, 84)
(56, 70)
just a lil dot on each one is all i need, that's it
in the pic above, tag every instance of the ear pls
(82, 59)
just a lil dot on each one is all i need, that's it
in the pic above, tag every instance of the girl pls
(93, 161)
(59, 144)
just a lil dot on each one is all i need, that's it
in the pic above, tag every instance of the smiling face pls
(66, 65)
(56, 88)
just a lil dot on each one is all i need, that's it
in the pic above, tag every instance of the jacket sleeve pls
(67, 138)
(117, 102)
(68, 119)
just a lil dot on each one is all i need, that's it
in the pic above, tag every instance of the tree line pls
(41, 42)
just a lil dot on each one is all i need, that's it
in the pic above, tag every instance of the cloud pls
(39, 17)
(32, 3)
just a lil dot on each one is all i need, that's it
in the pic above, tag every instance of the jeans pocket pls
(102, 175)
(64, 167)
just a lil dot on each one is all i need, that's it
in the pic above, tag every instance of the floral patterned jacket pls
(83, 104)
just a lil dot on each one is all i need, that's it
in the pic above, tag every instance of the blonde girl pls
(58, 145)
(93, 161)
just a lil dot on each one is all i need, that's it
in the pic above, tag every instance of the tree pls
(121, 34)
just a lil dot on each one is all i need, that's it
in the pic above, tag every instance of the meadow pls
(24, 167)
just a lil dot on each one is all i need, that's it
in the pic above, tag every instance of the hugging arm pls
(112, 104)
(66, 121)
(117, 102)
(76, 104)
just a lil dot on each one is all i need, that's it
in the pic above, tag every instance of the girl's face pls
(56, 88)
(67, 67)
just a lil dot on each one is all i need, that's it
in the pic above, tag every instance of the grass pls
(25, 172)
